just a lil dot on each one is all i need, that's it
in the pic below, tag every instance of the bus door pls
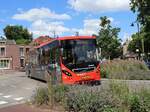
(54, 66)
(39, 68)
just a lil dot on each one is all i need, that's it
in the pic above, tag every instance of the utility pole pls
(142, 39)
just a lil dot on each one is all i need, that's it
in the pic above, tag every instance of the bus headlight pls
(66, 73)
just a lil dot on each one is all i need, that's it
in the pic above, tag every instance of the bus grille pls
(79, 70)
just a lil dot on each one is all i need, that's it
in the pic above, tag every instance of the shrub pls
(103, 72)
(89, 102)
(41, 96)
(139, 102)
(116, 98)
(60, 92)
(131, 70)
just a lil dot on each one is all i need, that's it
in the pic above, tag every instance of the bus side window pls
(52, 57)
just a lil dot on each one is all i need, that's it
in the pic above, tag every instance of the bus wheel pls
(97, 83)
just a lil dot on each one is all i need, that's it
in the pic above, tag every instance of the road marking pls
(8, 96)
(19, 98)
(3, 102)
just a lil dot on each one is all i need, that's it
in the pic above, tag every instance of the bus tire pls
(97, 83)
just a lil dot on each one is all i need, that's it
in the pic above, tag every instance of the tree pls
(141, 8)
(135, 43)
(18, 33)
(108, 40)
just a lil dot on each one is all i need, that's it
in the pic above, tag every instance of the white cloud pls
(97, 6)
(91, 26)
(41, 27)
(40, 13)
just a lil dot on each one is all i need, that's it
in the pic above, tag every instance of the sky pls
(65, 17)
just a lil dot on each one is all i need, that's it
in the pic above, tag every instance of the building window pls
(2, 43)
(2, 51)
(4, 64)
(21, 52)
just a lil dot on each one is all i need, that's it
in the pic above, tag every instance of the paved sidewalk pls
(28, 108)
(22, 108)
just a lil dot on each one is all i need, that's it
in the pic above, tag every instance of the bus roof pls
(76, 37)
(43, 44)
(66, 38)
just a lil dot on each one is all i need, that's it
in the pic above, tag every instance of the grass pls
(121, 69)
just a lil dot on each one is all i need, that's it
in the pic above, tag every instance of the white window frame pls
(21, 53)
(9, 62)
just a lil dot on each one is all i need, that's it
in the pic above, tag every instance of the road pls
(16, 88)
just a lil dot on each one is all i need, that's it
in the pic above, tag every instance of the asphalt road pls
(16, 88)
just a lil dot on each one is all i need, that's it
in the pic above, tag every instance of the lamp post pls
(137, 51)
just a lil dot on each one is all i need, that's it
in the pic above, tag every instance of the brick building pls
(12, 56)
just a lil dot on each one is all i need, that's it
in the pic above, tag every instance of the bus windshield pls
(78, 51)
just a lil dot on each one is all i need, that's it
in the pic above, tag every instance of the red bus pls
(71, 60)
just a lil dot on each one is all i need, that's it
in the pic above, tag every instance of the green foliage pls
(131, 101)
(141, 8)
(18, 33)
(139, 102)
(23, 41)
(121, 69)
(41, 96)
(117, 97)
(108, 40)
(135, 43)
(59, 93)
(89, 101)
(103, 72)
